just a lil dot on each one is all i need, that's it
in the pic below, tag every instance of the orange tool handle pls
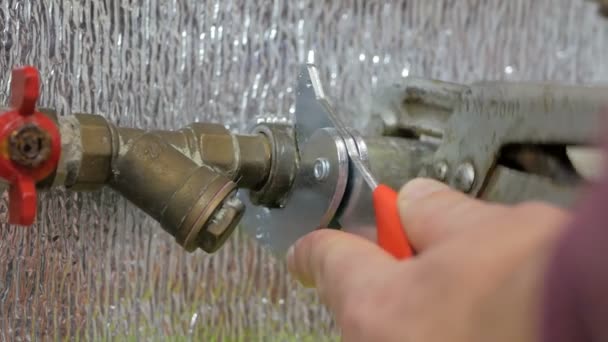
(391, 235)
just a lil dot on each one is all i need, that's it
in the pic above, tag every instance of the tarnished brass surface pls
(150, 170)
(174, 190)
(185, 179)
(254, 156)
(283, 165)
(243, 158)
(96, 141)
(48, 181)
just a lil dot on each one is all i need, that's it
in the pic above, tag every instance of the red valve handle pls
(30, 146)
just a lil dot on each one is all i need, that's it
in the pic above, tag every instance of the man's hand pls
(477, 275)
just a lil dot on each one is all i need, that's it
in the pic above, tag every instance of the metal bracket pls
(321, 180)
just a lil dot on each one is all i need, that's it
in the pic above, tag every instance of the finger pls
(335, 262)
(431, 211)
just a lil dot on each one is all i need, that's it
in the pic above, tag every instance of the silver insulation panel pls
(96, 268)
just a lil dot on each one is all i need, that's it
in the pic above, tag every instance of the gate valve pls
(30, 145)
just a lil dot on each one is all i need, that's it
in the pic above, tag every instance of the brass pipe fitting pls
(193, 203)
(283, 165)
(185, 179)
(90, 142)
(87, 145)
(96, 140)
(243, 158)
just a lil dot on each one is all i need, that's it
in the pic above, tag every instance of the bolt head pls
(221, 225)
(321, 169)
(465, 177)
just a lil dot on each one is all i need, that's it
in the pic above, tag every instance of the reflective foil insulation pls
(96, 268)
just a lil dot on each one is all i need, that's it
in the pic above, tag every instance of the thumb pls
(430, 211)
(335, 262)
